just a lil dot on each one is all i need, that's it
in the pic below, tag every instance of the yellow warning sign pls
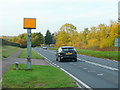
(29, 23)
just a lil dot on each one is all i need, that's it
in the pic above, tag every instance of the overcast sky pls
(52, 14)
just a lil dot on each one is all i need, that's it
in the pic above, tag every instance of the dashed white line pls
(84, 68)
(57, 66)
(85, 85)
(103, 66)
(79, 66)
(100, 74)
(91, 71)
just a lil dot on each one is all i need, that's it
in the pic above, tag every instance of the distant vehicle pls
(66, 53)
(45, 48)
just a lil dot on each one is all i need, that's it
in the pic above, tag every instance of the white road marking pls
(100, 74)
(84, 68)
(57, 66)
(97, 57)
(103, 66)
(46, 59)
(85, 85)
(79, 66)
(78, 85)
(91, 71)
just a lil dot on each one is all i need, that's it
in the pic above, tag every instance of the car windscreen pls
(68, 49)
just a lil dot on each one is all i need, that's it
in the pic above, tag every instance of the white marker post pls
(29, 23)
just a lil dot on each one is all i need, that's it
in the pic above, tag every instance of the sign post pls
(117, 42)
(28, 48)
(29, 23)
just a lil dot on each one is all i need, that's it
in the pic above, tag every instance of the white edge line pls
(75, 78)
(103, 66)
(78, 85)
(46, 59)
(99, 58)
(70, 75)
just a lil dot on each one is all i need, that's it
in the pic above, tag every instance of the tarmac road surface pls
(89, 72)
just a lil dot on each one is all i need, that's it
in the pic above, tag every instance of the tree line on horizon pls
(37, 39)
(101, 36)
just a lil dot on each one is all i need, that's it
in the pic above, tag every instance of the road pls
(89, 72)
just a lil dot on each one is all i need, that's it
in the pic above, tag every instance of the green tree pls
(53, 38)
(48, 37)
(37, 39)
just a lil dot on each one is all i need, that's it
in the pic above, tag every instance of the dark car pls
(45, 48)
(66, 53)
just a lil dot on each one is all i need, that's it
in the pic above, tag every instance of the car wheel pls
(75, 60)
(56, 59)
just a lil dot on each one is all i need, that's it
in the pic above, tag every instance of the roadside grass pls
(9, 50)
(0, 85)
(35, 55)
(113, 55)
(38, 77)
(53, 48)
(100, 54)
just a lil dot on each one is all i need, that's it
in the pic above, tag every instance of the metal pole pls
(29, 48)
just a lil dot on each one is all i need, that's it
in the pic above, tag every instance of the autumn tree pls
(66, 35)
(4, 37)
(101, 36)
(93, 38)
(22, 40)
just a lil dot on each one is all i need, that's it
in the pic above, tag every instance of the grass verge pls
(38, 77)
(113, 55)
(35, 55)
(53, 48)
(100, 54)
(0, 85)
(9, 50)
